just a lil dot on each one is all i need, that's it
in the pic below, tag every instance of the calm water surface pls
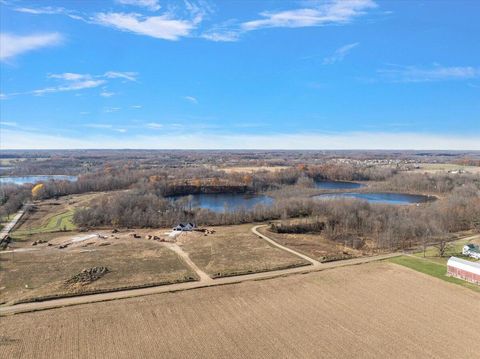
(227, 201)
(337, 185)
(35, 179)
(379, 197)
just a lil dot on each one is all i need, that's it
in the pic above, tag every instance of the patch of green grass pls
(59, 222)
(437, 270)
(453, 249)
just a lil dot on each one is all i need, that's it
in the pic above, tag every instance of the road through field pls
(377, 310)
(102, 297)
(6, 230)
(175, 248)
(314, 262)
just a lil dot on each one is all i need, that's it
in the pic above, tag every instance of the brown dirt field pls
(132, 263)
(313, 245)
(234, 250)
(376, 310)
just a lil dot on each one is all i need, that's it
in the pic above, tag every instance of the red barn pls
(466, 270)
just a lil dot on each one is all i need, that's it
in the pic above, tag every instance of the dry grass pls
(313, 245)
(445, 167)
(234, 250)
(377, 310)
(251, 169)
(132, 263)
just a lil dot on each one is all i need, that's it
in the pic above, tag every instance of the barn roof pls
(473, 267)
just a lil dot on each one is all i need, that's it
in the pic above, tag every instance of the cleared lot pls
(313, 245)
(375, 310)
(234, 250)
(43, 272)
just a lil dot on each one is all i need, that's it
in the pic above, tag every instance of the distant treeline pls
(387, 226)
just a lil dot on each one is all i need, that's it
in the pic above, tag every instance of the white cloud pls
(106, 93)
(98, 125)
(435, 73)
(111, 109)
(14, 139)
(222, 36)
(74, 86)
(339, 54)
(14, 45)
(152, 5)
(69, 76)
(130, 76)
(136, 106)
(8, 123)
(74, 82)
(154, 125)
(48, 10)
(331, 12)
(191, 99)
(160, 27)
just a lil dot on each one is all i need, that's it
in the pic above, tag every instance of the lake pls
(229, 201)
(379, 197)
(337, 185)
(35, 179)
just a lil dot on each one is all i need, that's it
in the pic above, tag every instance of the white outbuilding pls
(463, 269)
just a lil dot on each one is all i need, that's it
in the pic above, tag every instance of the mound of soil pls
(87, 276)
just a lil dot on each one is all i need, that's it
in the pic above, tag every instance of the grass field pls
(452, 249)
(234, 250)
(132, 263)
(314, 245)
(435, 269)
(56, 223)
(377, 310)
(52, 216)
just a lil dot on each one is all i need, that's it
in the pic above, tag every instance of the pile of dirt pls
(87, 276)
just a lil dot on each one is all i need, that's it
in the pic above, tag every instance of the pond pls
(337, 185)
(379, 197)
(227, 201)
(35, 179)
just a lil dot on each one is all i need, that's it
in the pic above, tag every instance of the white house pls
(184, 227)
(471, 250)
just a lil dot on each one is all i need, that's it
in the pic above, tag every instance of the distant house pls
(184, 227)
(463, 269)
(471, 250)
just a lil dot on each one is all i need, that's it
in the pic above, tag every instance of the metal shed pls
(463, 269)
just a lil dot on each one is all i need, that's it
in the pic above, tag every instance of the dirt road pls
(314, 262)
(204, 278)
(377, 310)
(6, 230)
(102, 297)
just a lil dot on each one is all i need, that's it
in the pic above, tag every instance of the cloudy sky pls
(240, 74)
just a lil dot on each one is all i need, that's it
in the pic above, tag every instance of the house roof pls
(463, 264)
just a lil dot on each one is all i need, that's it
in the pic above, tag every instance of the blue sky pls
(240, 74)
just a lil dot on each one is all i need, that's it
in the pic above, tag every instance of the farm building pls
(466, 270)
(471, 250)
